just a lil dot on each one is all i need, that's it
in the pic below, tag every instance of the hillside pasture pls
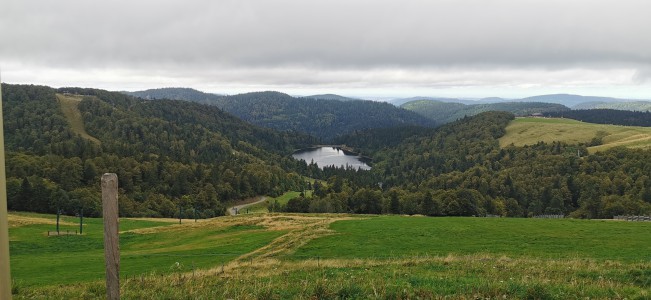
(323, 256)
(529, 131)
(146, 246)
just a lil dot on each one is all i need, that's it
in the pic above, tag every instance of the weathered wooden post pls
(111, 238)
(5, 274)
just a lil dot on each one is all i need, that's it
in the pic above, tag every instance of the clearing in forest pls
(529, 131)
(69, 105)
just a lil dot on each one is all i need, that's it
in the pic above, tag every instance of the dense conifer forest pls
(460, 170)
(607, 116)
(167, 154)
(321, 116)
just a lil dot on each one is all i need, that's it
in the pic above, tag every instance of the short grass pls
(69, 106)
(529, 131)
(281, 200)
(146, 246)
(316, 256)
(450, 277)
(397, 236)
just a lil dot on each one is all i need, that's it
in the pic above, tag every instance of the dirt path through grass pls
(234, 210)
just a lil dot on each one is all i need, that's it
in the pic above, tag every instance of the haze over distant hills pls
(186, 94)
(446, 112)
(330, 115)
(569, 100)
(332, 97)
(564, 99)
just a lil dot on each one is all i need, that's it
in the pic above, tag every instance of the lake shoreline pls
(347, 151)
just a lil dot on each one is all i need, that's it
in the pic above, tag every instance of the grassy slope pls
(282, 200)
(69, 106)
(528, 131)
(391, 236)
(331, 256)
(37, 259)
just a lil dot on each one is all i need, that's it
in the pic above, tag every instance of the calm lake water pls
(328, 156)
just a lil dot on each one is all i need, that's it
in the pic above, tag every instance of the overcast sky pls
(375, 48)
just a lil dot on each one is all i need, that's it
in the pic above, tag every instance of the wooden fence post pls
(111, 238)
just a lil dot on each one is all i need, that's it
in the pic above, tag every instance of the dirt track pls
(233, 209)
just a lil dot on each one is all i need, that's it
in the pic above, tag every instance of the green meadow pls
(398, 236)
(331, 256)
(280, 200)
(146, 246)
(529, 131)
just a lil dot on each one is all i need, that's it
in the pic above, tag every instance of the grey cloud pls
(333, 42)
(326, 34)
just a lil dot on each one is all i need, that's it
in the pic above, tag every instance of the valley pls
(341, 232)
(325, 150)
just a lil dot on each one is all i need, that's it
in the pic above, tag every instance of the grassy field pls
(146, 246)
(281, 200)
(359, 257)
(397, 236)
(528, 131)
(69, 106)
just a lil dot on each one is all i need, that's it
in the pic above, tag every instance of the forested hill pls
(461, 170)
(445, 112)
(607, 116)
(167, 154)
(186, 94)
(322, 116)
(370, 141)
(324, 119)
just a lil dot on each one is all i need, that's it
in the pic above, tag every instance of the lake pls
(328, 156)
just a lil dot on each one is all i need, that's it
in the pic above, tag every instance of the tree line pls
(607, 116)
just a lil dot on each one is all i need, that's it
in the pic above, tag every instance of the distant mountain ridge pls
(569, 100)
(446, 112)
(327, 116)
(172, 93)
(324, 119)
(314, 115)
(332, 97)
